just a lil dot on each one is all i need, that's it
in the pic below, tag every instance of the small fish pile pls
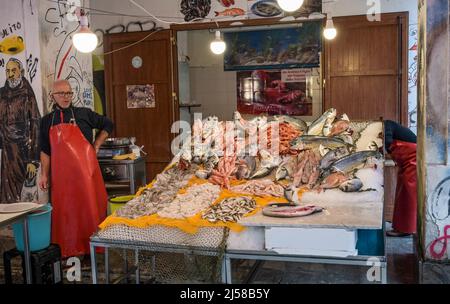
(230, 209)
(196, 199)
(225, 169)
(263, 187)
(163, 191)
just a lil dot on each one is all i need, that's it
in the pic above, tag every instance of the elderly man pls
(68, 151)
(19, 129)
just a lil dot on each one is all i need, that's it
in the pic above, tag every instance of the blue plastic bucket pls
(39, 227)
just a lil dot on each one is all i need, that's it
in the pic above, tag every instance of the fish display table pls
(322, 165)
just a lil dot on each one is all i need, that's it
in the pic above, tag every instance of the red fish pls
(226, 3)
(231, 12)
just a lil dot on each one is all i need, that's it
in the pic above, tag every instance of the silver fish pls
(332, 156)
(211, 162)
(328, 127)
(354, 161)
(267, 164)
(311, 141)
(291, 194)
(297, 123)
(351, 185)
(281, 173)
(317, 125)
(346, 138)
(197, 160)
(262, 172)
(286, 169)
(203, 174)
(245, 167)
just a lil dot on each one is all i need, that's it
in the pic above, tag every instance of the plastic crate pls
(45, 265)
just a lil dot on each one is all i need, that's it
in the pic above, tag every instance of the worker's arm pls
(101, 137)
(45, 171)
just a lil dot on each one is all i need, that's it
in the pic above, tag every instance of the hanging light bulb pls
(217, 46)
(290, 5)
(330, 31)
(85, 40)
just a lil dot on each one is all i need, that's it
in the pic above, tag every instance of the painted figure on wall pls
(19, 127)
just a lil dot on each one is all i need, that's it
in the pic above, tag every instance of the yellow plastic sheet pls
(192, 224)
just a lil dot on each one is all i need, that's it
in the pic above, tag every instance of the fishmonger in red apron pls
(68, 151)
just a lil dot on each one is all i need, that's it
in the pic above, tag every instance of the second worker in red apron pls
(68, 152)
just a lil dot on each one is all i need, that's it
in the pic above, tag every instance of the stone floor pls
(180, 268)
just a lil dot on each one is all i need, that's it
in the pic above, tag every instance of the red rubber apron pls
(405, 209)
(77, 189)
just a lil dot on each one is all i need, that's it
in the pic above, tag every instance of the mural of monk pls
(19, 127)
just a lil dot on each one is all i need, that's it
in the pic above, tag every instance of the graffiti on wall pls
(20, 101)
(61, 60)
(132, 26)
(412, 78)
(438, 217)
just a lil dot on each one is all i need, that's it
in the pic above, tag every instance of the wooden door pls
(366, 67)
(151, 126)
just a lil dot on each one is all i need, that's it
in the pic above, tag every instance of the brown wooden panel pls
(365, 67)
(150, 126)
(366, 97)
(390, 184)
(154, 66)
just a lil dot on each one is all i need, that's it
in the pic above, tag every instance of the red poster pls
(264, 92)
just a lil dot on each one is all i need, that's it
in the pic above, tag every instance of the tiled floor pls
(179, 268)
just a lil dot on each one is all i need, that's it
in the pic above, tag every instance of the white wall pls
(360, 7)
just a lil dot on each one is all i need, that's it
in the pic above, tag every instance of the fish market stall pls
(265, 189)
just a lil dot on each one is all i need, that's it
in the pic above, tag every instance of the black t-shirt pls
(86, 119)
(394, 130)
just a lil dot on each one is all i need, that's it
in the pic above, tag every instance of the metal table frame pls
(144, 246)
(226, 273)
(273, 256)
(26, 244)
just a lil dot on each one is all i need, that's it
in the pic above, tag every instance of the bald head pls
(62, 93)
(61, 84)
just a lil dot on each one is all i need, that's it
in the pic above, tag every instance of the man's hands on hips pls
(43, 182)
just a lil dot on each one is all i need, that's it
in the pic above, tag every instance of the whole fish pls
(333, 180)
(346, 138)
(267, 164)
(354, 161)
(245, 167)
(312, 141)
(291, 194)
(332, 156)
(211, 162)
(231, 12)
(351, 185)
(297, 123)
(338, 127)
(328, 127)
(316, 127)
(226, 3)
(286, 169)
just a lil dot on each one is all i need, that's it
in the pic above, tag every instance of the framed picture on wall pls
(140, 96)
(274, 92)
(287, 48)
